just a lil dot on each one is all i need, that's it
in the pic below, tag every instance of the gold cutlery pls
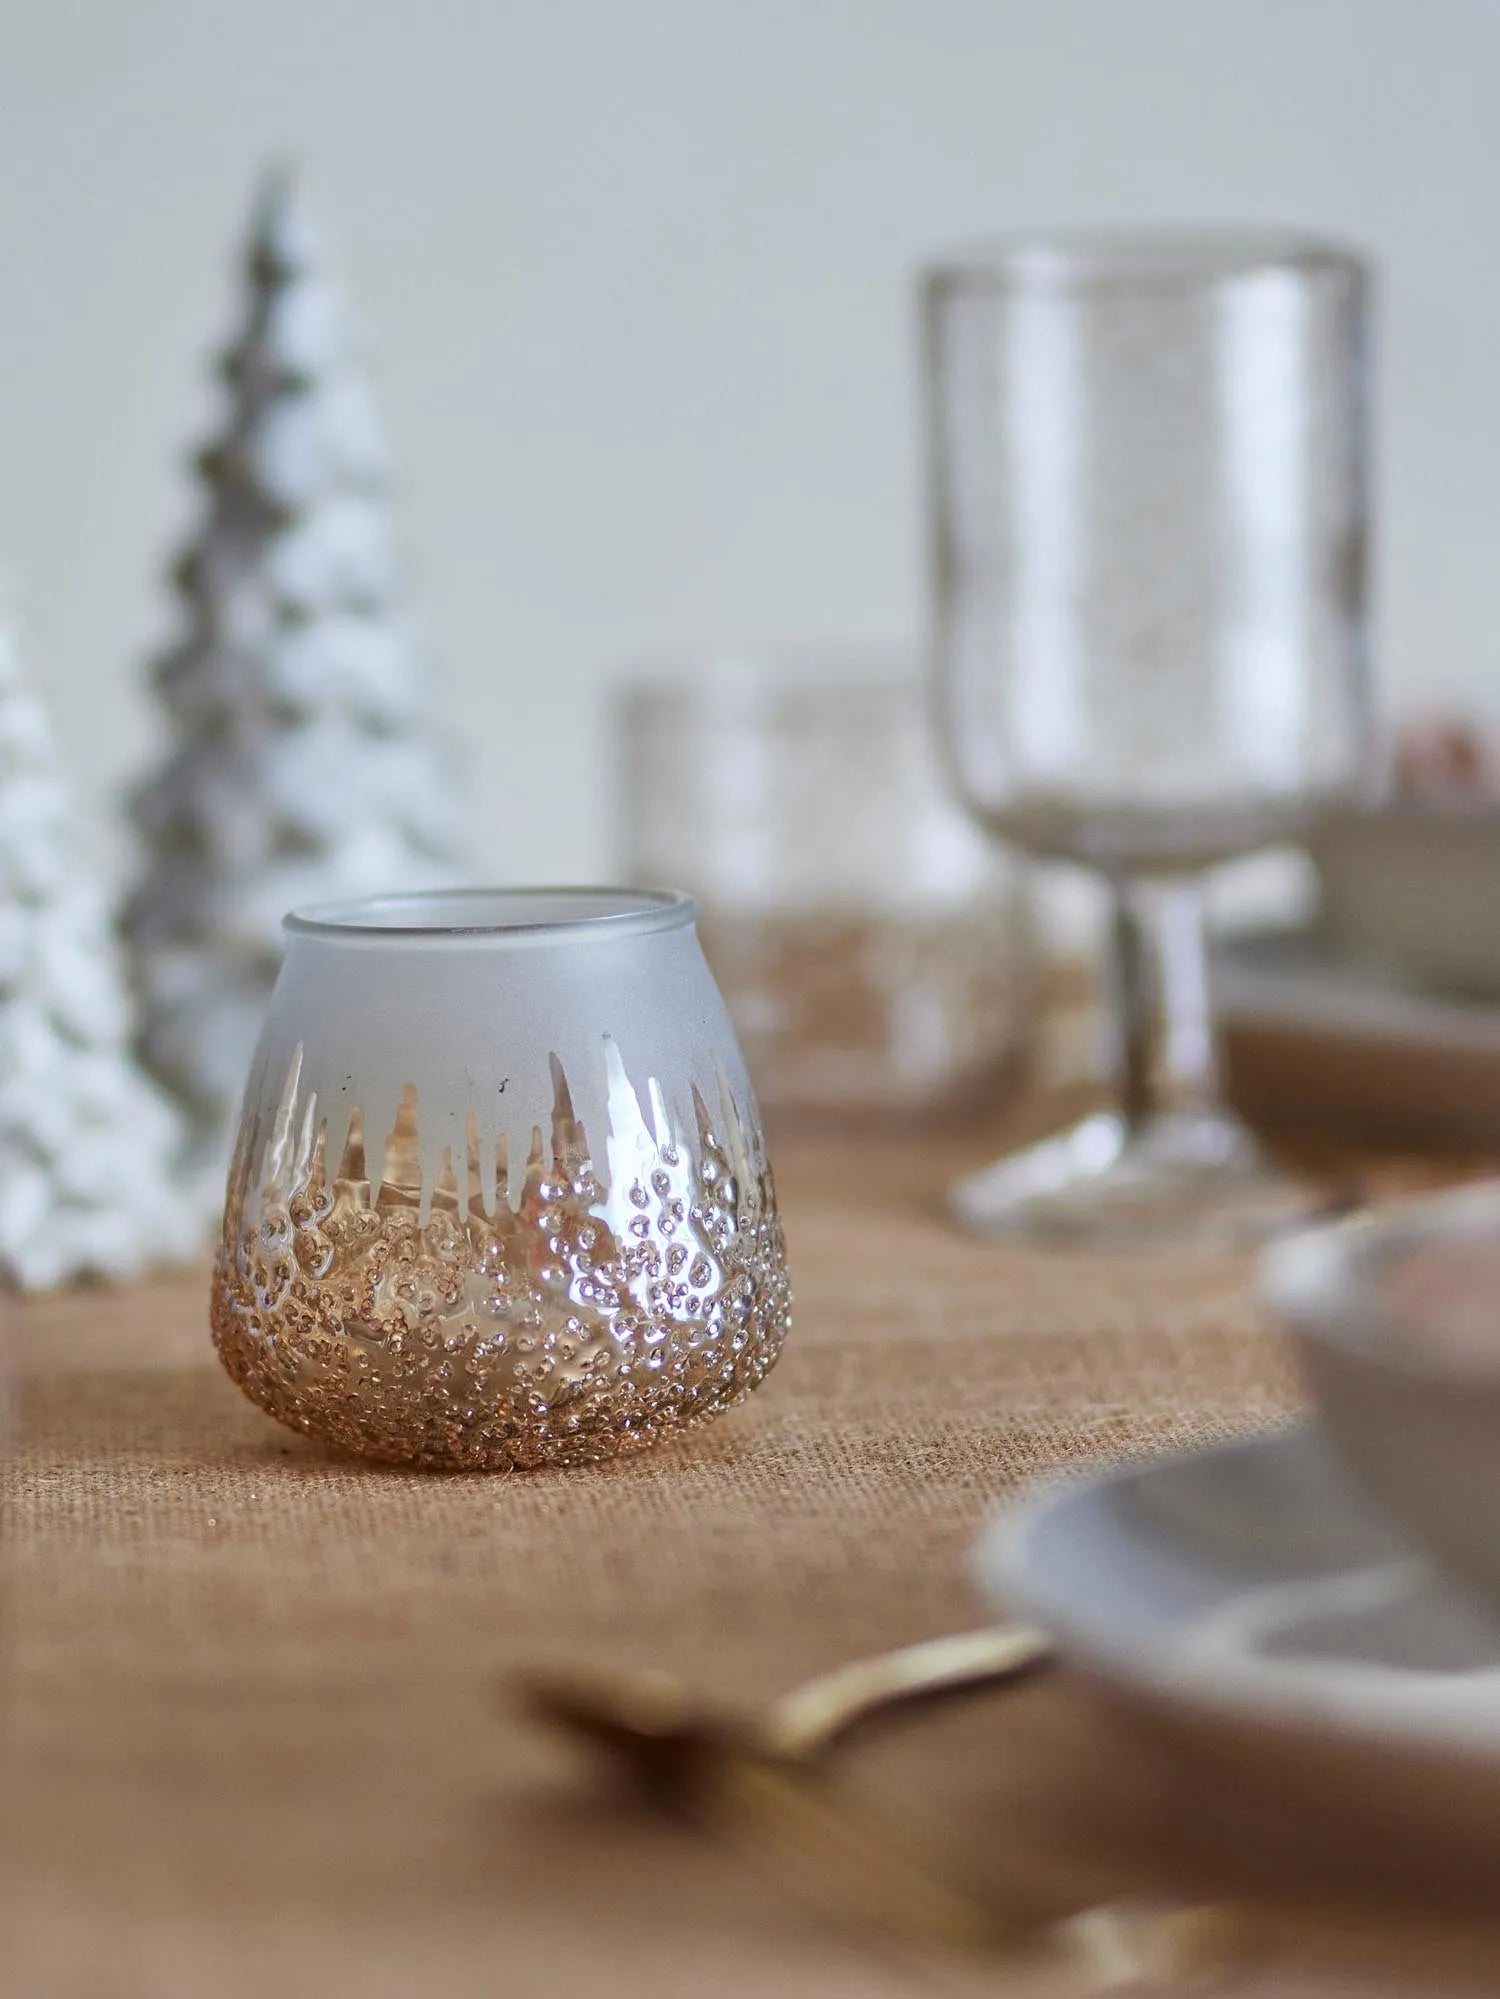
(663, 1733)
(761, 1782)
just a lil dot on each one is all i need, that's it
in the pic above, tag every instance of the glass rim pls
(562, 914)
(1135, 256)
(772, 683)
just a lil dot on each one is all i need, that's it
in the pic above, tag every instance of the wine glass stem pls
(1164, 1055)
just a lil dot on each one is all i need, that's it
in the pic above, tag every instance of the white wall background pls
(640, 274)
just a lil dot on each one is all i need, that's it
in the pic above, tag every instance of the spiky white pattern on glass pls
(555, 1306)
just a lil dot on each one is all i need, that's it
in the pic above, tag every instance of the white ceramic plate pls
(1258, 1610)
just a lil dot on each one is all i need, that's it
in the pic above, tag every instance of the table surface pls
(258, 1729)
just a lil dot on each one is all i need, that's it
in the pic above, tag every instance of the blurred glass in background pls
(1149, 521)
(874, 951)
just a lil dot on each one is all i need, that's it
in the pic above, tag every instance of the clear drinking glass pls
(873, 948)
(1149, 520)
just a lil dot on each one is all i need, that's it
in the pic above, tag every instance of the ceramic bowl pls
(1397, 1317)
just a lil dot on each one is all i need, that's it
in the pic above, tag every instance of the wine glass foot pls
(1183, 1179)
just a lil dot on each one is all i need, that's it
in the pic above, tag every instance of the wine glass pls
(1149, 528)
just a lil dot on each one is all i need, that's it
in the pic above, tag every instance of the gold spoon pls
(758, 1781)
(663, 1733)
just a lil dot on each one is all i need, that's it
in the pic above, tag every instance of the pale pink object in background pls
(1445, 756)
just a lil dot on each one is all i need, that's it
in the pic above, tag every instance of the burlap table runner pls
(255, 1739)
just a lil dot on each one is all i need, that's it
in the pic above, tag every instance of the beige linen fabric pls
(256, 1735)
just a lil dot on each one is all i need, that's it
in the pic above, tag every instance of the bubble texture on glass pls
(576, 1322)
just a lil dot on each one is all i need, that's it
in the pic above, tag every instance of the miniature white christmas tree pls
(305, 764)
(86, 1141)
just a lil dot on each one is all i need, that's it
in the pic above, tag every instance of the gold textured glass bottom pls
(582, 1322)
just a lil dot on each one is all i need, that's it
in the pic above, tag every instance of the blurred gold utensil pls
(760, 1782)
(663, 1733)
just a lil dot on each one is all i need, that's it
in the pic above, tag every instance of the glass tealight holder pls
(500, 1196)
(874, 952)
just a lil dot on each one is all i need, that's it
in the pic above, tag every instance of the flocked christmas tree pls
(86, 1141)
(306, 764)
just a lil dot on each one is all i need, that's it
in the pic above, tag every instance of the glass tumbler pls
(499, 1196)
(1149, 527)
(873, 949)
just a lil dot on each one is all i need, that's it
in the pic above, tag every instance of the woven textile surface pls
(258, 1734)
